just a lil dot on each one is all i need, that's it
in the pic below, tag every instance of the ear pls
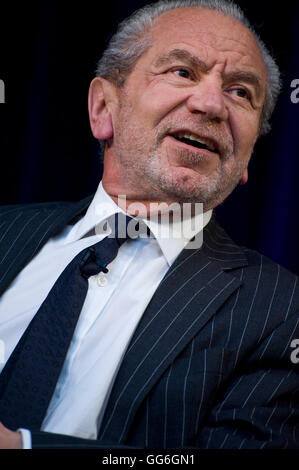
(100, 98)
(244, 178)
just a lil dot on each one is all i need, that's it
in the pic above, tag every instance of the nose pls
(207, 98)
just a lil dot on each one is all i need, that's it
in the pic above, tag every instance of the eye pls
(181, 72)
(241, 93)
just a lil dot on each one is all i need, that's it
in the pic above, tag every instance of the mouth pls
(195, 141)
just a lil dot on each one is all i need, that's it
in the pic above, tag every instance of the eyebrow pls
(188, 58)
(181, 54)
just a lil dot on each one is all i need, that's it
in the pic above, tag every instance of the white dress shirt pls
(112, 309)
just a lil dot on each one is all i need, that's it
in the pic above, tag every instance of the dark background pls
(48, 55)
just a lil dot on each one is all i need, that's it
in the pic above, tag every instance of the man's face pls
(189, 113)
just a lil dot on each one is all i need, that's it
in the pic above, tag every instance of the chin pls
(188, 181)
(210, 191)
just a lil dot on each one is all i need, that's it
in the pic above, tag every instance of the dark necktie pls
(29, 377)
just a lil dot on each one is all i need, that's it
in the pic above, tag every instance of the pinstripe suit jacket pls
(209, 365)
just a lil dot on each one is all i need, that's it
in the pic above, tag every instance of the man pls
(175, 346)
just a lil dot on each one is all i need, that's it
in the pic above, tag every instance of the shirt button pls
(101, 280)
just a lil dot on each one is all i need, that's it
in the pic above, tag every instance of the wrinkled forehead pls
(210, 34)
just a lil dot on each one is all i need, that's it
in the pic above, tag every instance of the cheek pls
(244, 130)
(159, 101)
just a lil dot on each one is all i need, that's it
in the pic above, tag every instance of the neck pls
(138, 206)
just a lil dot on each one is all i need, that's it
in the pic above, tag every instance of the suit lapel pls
(24, 230)
(194, 288)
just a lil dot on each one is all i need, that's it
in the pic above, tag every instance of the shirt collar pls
(101, 208)
(172, 238)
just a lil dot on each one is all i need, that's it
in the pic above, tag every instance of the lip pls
(211, 140)
(195, 149)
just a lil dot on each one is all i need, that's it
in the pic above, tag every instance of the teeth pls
(194, 137)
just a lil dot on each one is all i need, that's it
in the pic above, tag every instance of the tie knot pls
(98, 256)
(123, 227)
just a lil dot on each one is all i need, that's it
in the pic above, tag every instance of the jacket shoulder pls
(256, 259)
(40, 206)
(273, 277)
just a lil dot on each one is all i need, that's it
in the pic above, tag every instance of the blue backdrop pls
(48, 55)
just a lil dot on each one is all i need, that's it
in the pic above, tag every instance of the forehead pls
(210, 35)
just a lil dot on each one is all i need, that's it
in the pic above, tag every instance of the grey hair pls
(131, 41)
